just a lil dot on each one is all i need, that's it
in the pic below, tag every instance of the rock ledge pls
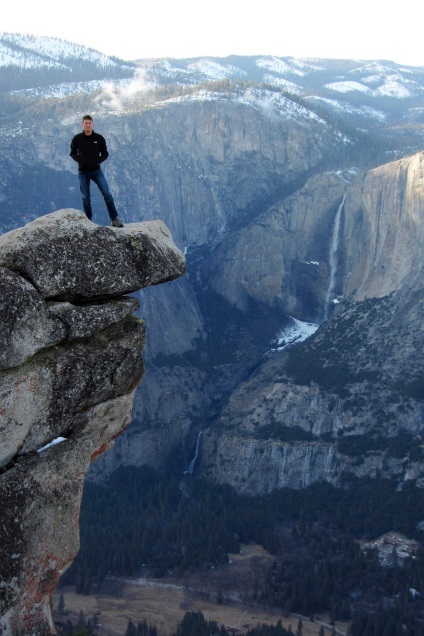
(70, 361)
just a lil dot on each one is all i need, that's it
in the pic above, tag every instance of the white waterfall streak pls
(333, 260)
(307, 466)
(192, 464)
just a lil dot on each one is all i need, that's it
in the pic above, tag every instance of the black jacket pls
(89, 151)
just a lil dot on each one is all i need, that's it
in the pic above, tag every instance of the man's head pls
(87, 124)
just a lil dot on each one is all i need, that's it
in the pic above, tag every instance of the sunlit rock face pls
(70, 363)
(384, 229)
(349, 400)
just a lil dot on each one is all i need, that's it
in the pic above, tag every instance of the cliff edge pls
(70, 360)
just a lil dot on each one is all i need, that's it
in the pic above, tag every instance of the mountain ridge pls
(25, 50)
(336, 85)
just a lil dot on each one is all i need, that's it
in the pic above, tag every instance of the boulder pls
(27, 324)
(47, 397)
(85, 320)
(68, 257)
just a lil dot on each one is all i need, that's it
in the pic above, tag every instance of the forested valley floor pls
(323, 560)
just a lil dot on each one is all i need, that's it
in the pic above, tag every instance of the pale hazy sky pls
(365, 29)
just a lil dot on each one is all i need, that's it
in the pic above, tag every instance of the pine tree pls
(61, 605)
(81, 619)
(299, 630)
(131, 630)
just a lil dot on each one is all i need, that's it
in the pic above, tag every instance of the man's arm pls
(74, 149)
(103, 153)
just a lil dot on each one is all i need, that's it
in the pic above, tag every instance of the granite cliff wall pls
(350, 399)
(70, 363)
(354, 237)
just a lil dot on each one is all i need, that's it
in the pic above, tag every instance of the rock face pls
(70, 364)
(350, 399)
(354, 237)
(384, 229)
(343, 251)
(114, 265)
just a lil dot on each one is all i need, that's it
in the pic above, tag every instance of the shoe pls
(117, 222)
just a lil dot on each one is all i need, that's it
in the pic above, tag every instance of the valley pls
(223, 594)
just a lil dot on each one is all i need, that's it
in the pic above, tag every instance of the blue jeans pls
(100, 180)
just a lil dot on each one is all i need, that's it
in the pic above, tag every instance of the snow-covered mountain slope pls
(375, 96)
(378, 80)
(302, 76)
(271, 104)
(29, 51)
(30, 62)
(387, 79)
(367, 94)
(373, 77)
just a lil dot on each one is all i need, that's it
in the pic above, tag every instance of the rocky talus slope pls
(70, 362)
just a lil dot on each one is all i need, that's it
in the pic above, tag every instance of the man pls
(89, 150)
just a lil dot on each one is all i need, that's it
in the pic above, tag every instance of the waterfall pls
(328, 462)
(306, 472)
(192, 464)
(333, 260)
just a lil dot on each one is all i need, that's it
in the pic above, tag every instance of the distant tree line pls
(195, 624)
(141, 520)
(192, 624)
(83, 627)
(13, 78)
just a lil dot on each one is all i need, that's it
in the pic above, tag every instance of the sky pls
(131, 30)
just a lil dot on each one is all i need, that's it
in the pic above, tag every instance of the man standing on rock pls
(89, 150)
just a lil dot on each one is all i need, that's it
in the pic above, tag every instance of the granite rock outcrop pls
(70, 363)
